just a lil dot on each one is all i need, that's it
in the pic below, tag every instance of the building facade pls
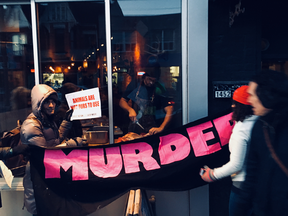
(205, 49)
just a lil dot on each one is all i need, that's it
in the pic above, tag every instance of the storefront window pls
(146, 44)
(16, 64)
(73, 53)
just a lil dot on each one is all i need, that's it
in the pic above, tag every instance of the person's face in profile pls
(149, 81)
(49, 106)
(258, 108)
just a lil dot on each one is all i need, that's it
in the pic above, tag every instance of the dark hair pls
(241, 111)
(152, 70)
(68, 88)
(272, 89)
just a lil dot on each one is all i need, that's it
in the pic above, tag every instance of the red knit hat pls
(240, 95)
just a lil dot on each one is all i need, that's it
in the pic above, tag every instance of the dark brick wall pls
(233, 55)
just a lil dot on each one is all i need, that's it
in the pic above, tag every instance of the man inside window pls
(147, 99)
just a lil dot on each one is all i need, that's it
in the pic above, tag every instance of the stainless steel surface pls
(96, 136)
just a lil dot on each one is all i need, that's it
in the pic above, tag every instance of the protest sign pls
(86, 104)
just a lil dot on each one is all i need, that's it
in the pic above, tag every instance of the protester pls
(267, 175)
(76, 128)
(238, 144)
(147, 97)
(39, 129)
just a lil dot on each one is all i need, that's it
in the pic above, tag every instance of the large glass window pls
(73, 51)
(73, 55)
(16, 64)
(146, 47)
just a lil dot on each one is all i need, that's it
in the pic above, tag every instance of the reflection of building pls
(69, 41)
(15, 51)
(146, 41)
(67, 37)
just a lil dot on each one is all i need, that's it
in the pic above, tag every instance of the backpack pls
(16, 164)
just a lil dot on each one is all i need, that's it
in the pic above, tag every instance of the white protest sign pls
(6, 174)
(86, 104)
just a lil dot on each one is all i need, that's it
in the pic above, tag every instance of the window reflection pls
(73, 52)
(146, 33)
(16, 64)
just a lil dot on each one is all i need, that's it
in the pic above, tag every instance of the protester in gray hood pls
(39, 129)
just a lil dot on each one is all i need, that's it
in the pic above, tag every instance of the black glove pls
(20, 149)
(5, 153)
(68, 115)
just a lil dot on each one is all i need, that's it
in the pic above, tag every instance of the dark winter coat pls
(265, 182)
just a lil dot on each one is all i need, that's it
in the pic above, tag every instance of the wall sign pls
(225, 89)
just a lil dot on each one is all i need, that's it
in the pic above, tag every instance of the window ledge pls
(17, 185)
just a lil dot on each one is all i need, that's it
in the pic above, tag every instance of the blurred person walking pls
(267, 162)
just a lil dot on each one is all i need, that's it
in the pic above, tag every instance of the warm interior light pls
(85, 63)
(51, 68)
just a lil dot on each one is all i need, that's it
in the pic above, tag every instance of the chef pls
(147, 97)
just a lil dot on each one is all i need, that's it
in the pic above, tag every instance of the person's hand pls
(81, 141)
(155, 130)
(20, 149)
(68, 115)
(77, 141)
(132, 115)
(5, 153)
(207, 174)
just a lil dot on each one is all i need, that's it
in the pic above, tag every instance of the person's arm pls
(7, 152)
(238, 148)
(167, 119)
(32, 134)
(65, 125)
(124, 105)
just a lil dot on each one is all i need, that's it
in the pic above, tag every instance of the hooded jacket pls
(38, 130)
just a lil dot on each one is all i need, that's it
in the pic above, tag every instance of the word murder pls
(172, 148)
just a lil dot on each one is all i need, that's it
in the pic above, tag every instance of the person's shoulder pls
(30, 122)
(247, 124)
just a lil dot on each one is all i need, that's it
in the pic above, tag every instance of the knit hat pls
(240, 95)
(152, 70)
